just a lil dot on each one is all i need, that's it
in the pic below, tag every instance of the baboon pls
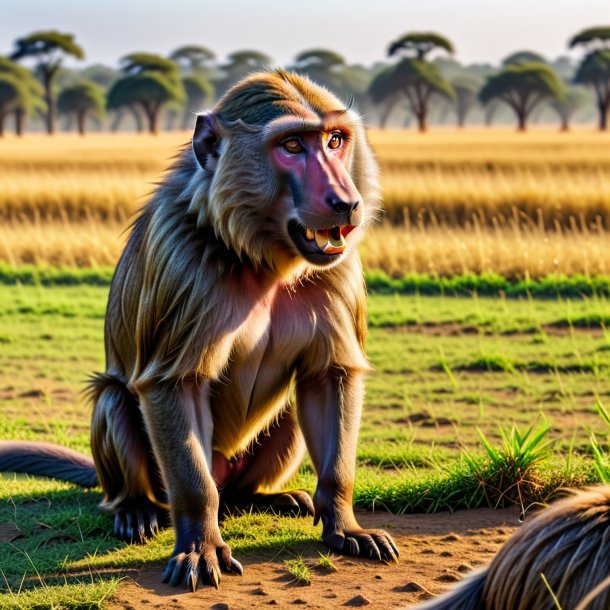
(234, 331)
(567, 543)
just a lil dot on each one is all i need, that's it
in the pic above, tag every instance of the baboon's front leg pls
(180, 426)
(329, 414)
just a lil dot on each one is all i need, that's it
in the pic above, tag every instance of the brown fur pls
(569, 543)
(220, 336)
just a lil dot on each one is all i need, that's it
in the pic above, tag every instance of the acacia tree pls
(49, 49)
(594, 71)
(523, 86)
(81, 100)
(192, 56)
(417, 78)
(150, 82)
(573, 99)
(466, 91)
(523, 57)
(32, 101)
(12, 93)
(199, 93)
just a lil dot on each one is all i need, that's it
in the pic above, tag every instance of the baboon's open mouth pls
(319, 245)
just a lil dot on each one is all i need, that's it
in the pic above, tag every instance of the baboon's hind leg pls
(124, 462)
(251, 481)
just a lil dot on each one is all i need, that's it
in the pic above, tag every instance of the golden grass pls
(468, 200)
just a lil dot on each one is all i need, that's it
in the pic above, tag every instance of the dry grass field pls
(474, 200)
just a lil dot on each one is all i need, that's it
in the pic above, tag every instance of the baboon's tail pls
(47, 460)
(468, 595)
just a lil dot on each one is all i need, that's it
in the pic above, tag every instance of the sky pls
(360, 30)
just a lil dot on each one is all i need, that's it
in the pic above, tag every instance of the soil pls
(435, 551)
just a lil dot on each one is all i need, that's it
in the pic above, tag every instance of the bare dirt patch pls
(436, 551)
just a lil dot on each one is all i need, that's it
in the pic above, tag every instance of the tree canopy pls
(523, 57)
(466, 89)
(82, 99)
(150, 82)
(48, 48)
(592, 37)
(522, 86)
(418, 80)
(194, 56)
(594, 71)
(421, 44)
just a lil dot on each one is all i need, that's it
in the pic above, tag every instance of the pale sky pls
(481, 31)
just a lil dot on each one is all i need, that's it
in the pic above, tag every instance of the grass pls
(429, 438)
(298, 570)
(473, 201)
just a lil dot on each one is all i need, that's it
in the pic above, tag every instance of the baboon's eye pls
(335, 141)
(293, 145)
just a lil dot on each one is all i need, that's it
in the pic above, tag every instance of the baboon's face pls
(321, 202)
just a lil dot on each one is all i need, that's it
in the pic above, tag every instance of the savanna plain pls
(488, 316)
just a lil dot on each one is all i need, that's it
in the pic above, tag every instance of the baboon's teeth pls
(322, 238)
(309, 234)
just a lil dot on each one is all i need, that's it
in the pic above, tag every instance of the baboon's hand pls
(199, 556)
(358, 542)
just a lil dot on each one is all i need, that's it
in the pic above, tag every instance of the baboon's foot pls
(137, 519)
(358, 542)
(293, 502)
(200, 556)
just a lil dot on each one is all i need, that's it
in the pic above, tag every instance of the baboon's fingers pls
(227, 562)
(192, 571)
(175, 570)
(304, 501)
(386, 546)
(119, 525)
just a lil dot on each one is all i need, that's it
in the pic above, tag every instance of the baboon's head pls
(289, 172)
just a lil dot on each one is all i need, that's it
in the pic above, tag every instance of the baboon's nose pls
(342, 207)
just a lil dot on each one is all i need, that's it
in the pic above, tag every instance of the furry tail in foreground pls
(564, 550)
(47, 460)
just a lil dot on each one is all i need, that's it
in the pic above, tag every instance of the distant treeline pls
(421, 82)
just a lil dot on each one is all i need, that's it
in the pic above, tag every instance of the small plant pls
(510, 471)
(326, 563)
(602, 460)
(298, 569)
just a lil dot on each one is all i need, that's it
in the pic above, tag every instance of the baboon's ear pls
(206, 141)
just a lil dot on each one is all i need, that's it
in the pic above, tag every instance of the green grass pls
(448, 371)
(486, 284)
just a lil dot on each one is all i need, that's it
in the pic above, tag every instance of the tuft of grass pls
(512, 470)
(325, 562)
(299, 571)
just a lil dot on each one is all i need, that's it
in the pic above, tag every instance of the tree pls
(592, 39)
(573, 99)
(199, 93)
(12, 93)
(523, 57)
(32, 101)
(150, 81)
(594, 71)
(49, 49)
(383, 90)
(82, 99)
(523, 86)
(417, 78)
(241, 63)
(193, 56)
(421, 43)
(466, 91)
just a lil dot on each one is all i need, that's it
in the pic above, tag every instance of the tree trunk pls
(50, 100)
(80, 121)
(422, 120)
(2, 117)
(152, 114)
(603, 116)
(19, 116)
(137, 118)
(522, 118)
(565, 124)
